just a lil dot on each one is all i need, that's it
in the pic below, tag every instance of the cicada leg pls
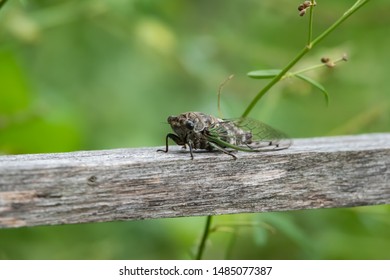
(190, 148)
(175, 138)
(222, 150)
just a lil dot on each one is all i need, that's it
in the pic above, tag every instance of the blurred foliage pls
(81, 75)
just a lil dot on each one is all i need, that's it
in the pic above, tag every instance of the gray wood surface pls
(127, 184)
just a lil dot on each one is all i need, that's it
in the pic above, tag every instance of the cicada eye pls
(190, 125)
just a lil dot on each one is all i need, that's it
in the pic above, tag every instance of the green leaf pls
(270, 73)
(264, 74)
(315, 84)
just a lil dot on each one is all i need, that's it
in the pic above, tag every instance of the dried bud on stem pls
(302, 8)
(332, 63)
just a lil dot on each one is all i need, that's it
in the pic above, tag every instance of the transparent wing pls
(247, 135)
(263, 135)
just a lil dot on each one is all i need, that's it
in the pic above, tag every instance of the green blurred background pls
(100, 74)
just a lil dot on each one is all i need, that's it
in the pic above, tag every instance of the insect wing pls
(263, 135)
(248, 135)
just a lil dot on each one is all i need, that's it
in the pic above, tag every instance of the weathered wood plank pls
(126, 184)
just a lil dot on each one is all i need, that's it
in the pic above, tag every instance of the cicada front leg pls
(175, 138)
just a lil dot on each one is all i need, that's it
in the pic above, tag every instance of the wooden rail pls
(127, 184)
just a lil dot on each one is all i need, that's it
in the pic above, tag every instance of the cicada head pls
(190, 123)
(181, 125)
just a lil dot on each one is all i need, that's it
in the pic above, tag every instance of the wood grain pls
(127, 184)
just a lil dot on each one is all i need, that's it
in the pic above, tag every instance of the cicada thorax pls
(191, 127)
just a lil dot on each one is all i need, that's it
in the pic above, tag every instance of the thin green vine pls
(277, 75)
(205, 235)
(310, 32)
(355, 7)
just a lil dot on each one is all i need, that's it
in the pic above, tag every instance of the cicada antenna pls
(220, 91)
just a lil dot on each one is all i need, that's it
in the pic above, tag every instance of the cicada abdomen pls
(248, 135)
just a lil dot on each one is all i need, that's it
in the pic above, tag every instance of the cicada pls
(201, 131)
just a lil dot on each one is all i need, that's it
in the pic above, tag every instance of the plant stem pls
(204, 238)
(346, 15)
(305, 50)
(307, 69)
(320, 65)
(274, 81)
(310, 22)
(311, 43)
